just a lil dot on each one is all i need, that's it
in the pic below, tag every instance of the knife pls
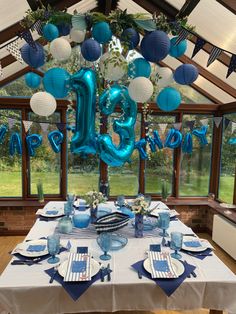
(24, 262)
(102, 273)
(53, 274)
(108, 272)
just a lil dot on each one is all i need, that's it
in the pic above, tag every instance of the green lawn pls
(120, 184)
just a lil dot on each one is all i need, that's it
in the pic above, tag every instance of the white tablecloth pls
(26, 289)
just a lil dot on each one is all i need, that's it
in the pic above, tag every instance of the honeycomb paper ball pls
(155, 46)
(55, 82)
(168, 99)
(60, 49)
(32, 80)
(101, 32)
(33, 57)
(107, 68)
(140, 89)
(50, 32)
(177, 50)
(139, 67)
(91, 50)
(186, 74)
(165, 77)
(77, 36)
(131, 37)
(43, 104)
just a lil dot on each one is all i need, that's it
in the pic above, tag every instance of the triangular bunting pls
(217, 121)
(27, 125)
(162, 127)
(198, 46)
(27, 36)
(44, 126)
(177, 125)
(232, 65)
(61, 126)
(1, 71)
(38, 26)
(190, 124)
(13, 48)
(204, 121)
(226, 123)
(214, 54)
(183, 34)
(233, 126)
(11, 122)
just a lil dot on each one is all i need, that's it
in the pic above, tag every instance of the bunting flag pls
(1, 71)
(162, 127)
(226, 124)
(38, 27)
(44, 127)
(61, 126)
(217, 121)
(232, 65)
(214, 54)
(233, 126)
(27, 125)
(13, 48)
(204, 121)
(177, 125)
(27, 36)
(183, 34)
(190, 124)
(198, 46)
(11, 122)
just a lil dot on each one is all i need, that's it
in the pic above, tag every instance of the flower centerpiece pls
(93, 198)
(140, 207)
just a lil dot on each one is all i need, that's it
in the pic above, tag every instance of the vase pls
(93, 214)
(138, 227)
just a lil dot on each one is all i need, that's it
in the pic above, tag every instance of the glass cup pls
(120, 200)
(104, 241)
(70, 198)
(68, 208)
(53, 245)
(148, 199)
(164, 222)
(176, 244)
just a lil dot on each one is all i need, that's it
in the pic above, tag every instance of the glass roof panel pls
(176, 3)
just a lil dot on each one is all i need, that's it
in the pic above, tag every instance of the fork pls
(54, 274)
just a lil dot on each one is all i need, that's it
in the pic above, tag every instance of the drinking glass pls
(104, 241)
(120, 200)
(164, 222)
(53, 245)
(148, 199)
(176, 244)
(70, 198)
(68, 208)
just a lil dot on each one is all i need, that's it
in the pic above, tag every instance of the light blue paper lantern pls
(178, 50)
(32, 80)
(56, 82)
(155, 46)
(168, 99)
(50, 32)
(101, 32)
(139, 67)
(91, 50)
(186, 74)
(33, 57)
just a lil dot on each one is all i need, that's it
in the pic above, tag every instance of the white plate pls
(57, 205)
(194, 249)
(22, 248)
(177, 265)
(172, 213)
(59, 214)
(95, 266)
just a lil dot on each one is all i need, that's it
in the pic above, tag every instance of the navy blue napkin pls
(207, 252)
(41, 218)
(167, 285)
(82, 249)
(174, 218)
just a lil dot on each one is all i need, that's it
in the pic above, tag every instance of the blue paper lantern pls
(32, 80)
(178, 50)
(168, 99)
(33, 57)
(139, 67)
(64, 29)
(50, 32)
(155, 46)
(91, 50)
(131, 37)
(186, 74)
(101, 32)
(55, 82)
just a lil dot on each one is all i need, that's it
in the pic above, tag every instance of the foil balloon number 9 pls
(117, 155)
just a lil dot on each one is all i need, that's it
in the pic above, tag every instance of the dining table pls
(25, 289)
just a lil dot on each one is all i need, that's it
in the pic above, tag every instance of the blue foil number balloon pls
(15, 145)
(56, 139)
(33, 141)
(173, 139)
(3, 131)
(201, 135)
(110, 153)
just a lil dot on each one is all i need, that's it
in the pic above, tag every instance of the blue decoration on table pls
(174, 135)
(64, 29)
(33, 141)
(56, 82)
(201, 135)
(91, 50)
(51, 212)
(140, 146)
(155, 46)
(36, 248)
(101, 32)
(110, 153)
(3, 131)
(139, 67)
(168, 99)
(131, 37)
(138, 227)
(50, 32)
(78, 266)
(161, 266)
(192, 243)
(81, 220)
(15, 145)
(56, 139)
(127, 211)
(187, 146)
(186, 74)
(32, 80)
(177, 50)
(33, 57)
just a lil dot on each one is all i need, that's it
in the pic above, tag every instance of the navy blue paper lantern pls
(139, 67)
(50, 32)
(64, 29)
(178, 50)
(32, 80)
(101, 32)
(186, 74)
(55, 82)
(168, 99)
(131, 37)
(33, 57)
(91, 50)
(155, 46)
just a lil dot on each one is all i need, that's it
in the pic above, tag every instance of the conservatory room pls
(118, 156)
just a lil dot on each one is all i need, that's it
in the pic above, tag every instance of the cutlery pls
(15, 262)
(200, 254)
(108, 272)
(102, 269)
(54, 274)
(190, 234)
(193, 274)
(139, 275)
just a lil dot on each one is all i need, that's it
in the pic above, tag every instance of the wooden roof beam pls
(187, 8)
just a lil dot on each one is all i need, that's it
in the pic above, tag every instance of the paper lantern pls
(155, 46)
(60, 49)
(186, 74)
(168, 99)
(139, 67)
(178, 50)
(107, 68)
(56, 82)
(140, 89)
(165, 76)
(43, 104)
(64, 29)
(33, 57)
(50, 32)
(91, 50)
(131, 37)
(101, 32)
(32, 80)
(77, 35)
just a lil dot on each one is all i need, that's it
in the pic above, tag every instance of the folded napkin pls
(200, 255)
(161, 266)
(36, 248)
(168, 286)
(52, 212)
(78, 267)
(193, 243)
(41, 218)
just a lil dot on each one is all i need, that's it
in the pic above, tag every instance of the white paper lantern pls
(43, 104)
(107, 68)
(166, 77)
(77, 35)
(140, 89)
(60, 49)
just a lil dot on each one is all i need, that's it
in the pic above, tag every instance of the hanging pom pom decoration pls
(77, 36)
(64, 29)
(140, 147)
(112, 71)
(155, 46)
(3, 131)
(91, 50)
(140, 89)
(55, 139)
(43, 104)
(56, 82)
(15, 145)
(131, 37)
(201, 135)
(186, 74)
(139, 67)
(174, 135)
(168, 99)
(33, 57)
(33, 141)
(32, 80)
(101, 32)
(60, 49)
(165, 77)
(177, 50)
(50, 32)
(187, 146)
